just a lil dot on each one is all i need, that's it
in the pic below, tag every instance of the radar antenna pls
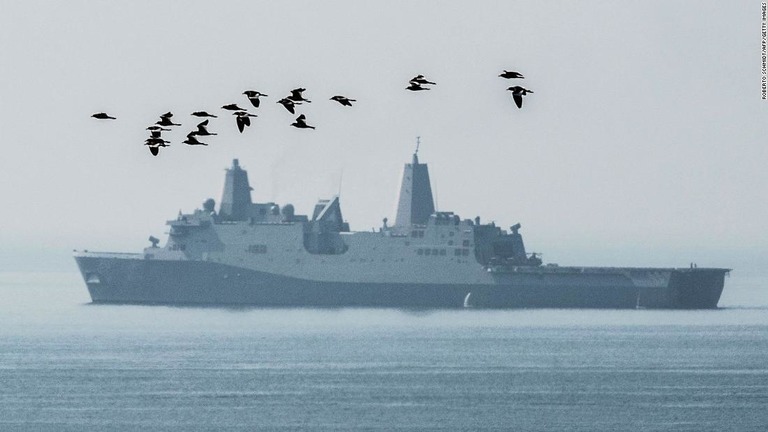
(418, 141)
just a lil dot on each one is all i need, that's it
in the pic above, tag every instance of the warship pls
(267, 255)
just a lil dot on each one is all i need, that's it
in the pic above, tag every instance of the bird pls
(301, 123)
(155, 134)
(416, 87)
(232, 107)
(518, 93)
(157, 128)
(166, 121)
(343, 100)
(296, 95)
(253, 96)
(154, 150)
(191, 140)
(202, 114)
(288, 104)
(511, 74)
(419, 79)
(156, 141)
(243, 119)
(103, 116)
(202, 130)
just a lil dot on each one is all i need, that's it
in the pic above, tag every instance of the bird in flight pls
(202, 114)
(301, 123)
(419, 79)
(518, 93)
(243, 119)
(253, 96)
(103, 116)
(296, 95)
(202, 130)
(416, 87)
(154, 128)
(511, 74)
(191, 140)
(165, 120)
(343, 100)
(288, 104)
(232, 107)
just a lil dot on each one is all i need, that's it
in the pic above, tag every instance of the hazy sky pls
(643, 144)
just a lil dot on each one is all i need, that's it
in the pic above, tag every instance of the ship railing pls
(124, 255)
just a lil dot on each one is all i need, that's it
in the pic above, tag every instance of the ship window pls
(457, 252)
(450, 242)
(420, 251)
(451, 233)
(414, 233)
(427, 251)
(435, 252)
(465, 252)
(465, 243)
(442, 252)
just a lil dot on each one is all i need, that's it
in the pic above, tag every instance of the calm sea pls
(69, 366)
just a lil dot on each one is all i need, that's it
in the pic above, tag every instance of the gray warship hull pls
(131, 279)
(259, 254)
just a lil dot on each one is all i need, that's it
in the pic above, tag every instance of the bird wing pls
(518, 99)
(240, 124)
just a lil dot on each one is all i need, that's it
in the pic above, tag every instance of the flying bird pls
(157, 128)
(253, 96)
(202, 114)
(243, 119)
(343, 100)
(202, 130)
(296, 95)
(301, 123)
(233, 107)
(166, 121)
(419, 79)
(416, 87)
(518, 93)
(511, 74)
(156, 141)
(288, 104)
(103, 116)
(191, 140)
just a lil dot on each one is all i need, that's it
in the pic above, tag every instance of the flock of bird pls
(243, 118)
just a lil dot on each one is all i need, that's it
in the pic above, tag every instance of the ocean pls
(66, 365)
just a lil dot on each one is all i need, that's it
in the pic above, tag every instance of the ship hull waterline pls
(113, 280)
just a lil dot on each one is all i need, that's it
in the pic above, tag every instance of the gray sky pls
(643, 144)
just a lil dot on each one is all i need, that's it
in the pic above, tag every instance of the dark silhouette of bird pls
(343, 100)
(233, 107)
(157, 128)
(202, 130)
(419, 79)
(253, 96)
(155, 150)
(243, 119)
(511, 74)
(288, 104)
(518, 93)
(301, 123)
(191, 140)
(166, 121)
(202, 114)
(156, 141)
(155, 134)
(103, 116)
(416, 87)
(296, 95)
